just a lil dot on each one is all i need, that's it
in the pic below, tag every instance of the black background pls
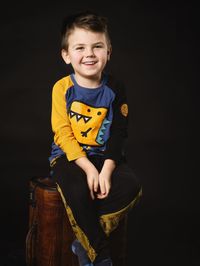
(154, 52)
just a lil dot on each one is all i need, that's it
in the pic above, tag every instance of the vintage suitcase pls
(49, 238)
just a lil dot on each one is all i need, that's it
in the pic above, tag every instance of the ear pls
(65, 56)
(109, 53)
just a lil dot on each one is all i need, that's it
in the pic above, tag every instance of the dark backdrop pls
(154, 53)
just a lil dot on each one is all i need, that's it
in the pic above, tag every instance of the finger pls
(92, 189)
(101, 196)
(107, 187)
(96, 184)
(104, 195)
(102, 187)
(92, 194)
(90, 186)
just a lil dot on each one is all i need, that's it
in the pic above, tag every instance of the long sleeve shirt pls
(88, 121)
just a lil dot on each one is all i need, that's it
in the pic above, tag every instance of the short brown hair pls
(87, 20)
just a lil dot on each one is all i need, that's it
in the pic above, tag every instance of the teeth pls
(89, 63)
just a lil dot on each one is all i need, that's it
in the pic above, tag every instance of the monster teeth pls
(72, 114)
(78, 117)
(86, 119)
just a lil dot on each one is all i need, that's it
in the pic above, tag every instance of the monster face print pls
(88, 123)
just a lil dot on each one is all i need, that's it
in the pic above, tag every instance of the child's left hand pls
(104, 186)
(105, 179)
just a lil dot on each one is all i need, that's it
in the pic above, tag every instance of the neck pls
(91, 83)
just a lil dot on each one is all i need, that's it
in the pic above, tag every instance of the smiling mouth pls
(89, 63)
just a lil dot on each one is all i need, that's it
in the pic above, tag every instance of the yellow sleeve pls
(63, 134)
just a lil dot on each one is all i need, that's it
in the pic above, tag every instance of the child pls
(89, 121)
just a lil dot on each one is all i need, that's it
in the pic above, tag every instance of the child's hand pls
(93, 181)
(104, 185)
(105, 179)
(91, 173)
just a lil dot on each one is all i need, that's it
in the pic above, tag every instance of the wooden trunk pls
(50, 235)
(48, 241)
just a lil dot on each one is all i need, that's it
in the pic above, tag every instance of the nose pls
(89, 52)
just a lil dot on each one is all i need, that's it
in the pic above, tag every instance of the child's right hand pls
(91, 173)
(93, 181)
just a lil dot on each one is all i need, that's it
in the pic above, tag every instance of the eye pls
(79, 48)
(98, 46)
(88, 110)
(99, 113)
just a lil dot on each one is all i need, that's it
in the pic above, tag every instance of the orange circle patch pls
(124, 109)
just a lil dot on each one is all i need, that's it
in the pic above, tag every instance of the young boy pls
(89, 121)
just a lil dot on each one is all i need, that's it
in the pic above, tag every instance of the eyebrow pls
(83, 44)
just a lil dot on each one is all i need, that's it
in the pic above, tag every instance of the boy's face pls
(88, 53)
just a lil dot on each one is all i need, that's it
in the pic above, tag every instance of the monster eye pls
(88, 110)
(99, 113)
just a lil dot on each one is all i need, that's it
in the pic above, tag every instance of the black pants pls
(84, 212)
